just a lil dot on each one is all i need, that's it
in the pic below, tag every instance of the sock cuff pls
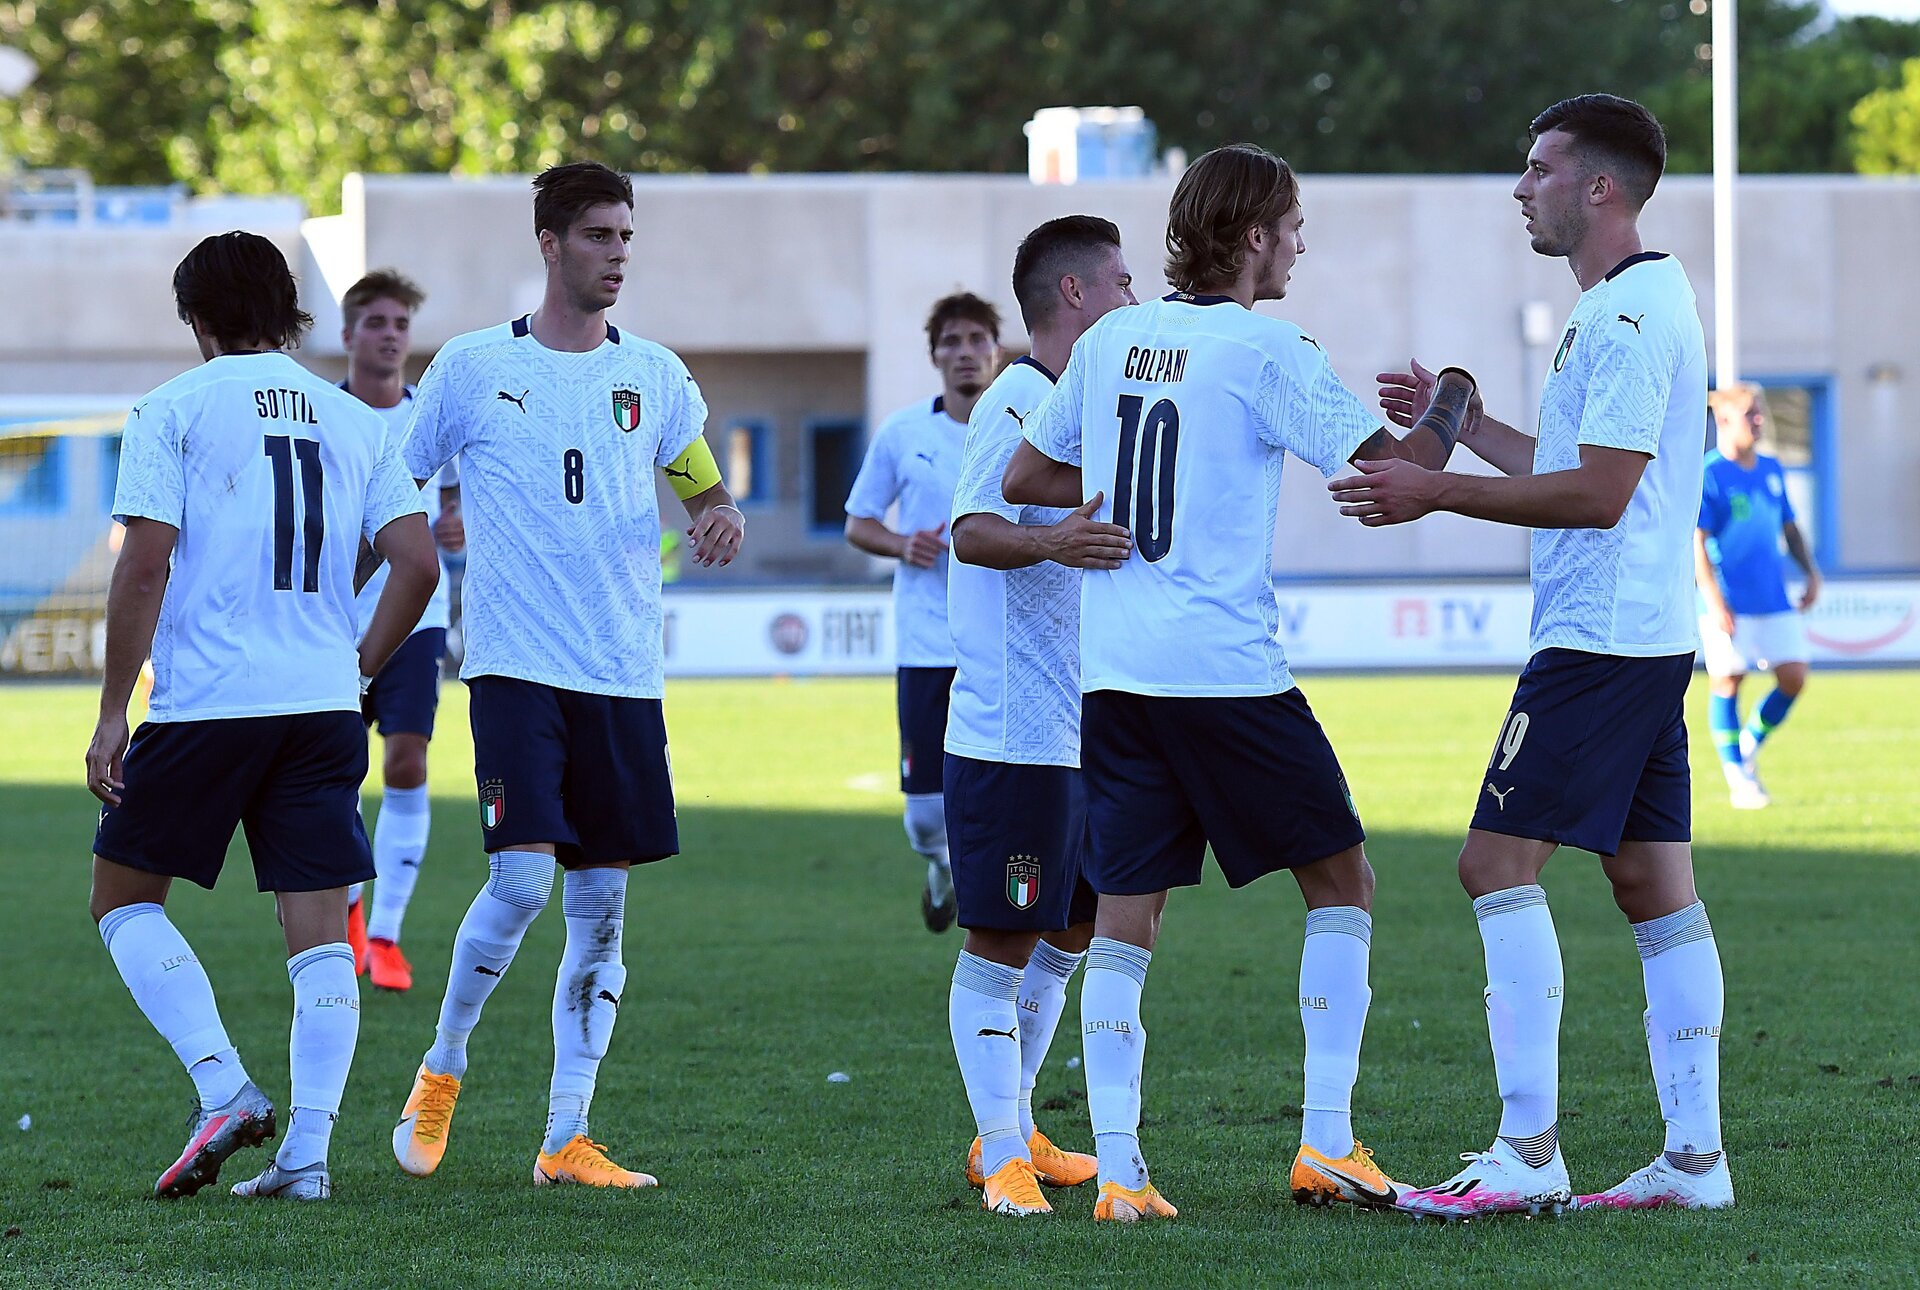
(1671, 931)
(1348, 919)
(320, 954)
(1053, 960)
(523, 879)
(599, 893)
(1110, 955)
(984, 976)
(116, 919)
(405, 801)
(1510, 900)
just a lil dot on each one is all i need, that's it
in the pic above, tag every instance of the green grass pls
(786, 943)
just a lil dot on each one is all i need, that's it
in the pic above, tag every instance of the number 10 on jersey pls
(1143, 480)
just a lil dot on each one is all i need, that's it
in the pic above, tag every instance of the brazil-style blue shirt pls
(1741, 512)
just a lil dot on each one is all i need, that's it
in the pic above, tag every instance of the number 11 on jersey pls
(281, 450)
(1143, 481)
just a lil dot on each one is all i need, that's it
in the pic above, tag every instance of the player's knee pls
(926, 821)
(404, 762)
(1791, 679)
(1726, 687)
(523, 879)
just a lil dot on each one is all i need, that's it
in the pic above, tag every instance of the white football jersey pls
(1630, 372)
(1182, 412)
(557, 454)
(439, 610)
(1016, 632)
(914, 459)
(272, 477)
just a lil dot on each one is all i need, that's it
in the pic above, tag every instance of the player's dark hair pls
(1224, 194)
(562, 194)
(238, 287)
(961, 306)
(1072, 244)
(1612, 136)
(381, 284)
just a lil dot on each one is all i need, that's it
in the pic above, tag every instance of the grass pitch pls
(785, 944)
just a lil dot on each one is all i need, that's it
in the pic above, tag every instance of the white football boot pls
(1495, 1181)
(310, 1182)
(1662, 1185)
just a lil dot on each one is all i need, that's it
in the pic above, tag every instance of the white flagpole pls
(1726, 173)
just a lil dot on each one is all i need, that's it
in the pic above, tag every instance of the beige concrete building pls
(798, 303)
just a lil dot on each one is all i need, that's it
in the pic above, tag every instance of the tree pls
(1887, 127)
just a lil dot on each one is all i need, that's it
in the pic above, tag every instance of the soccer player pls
(1593, 751)
(246, 486)
(1015, 809)
(915, 460)
(1748, 621)
(560, 420)
(1192, 730)
(378, 326)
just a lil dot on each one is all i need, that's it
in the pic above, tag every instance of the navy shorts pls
(1253, 777)
(920, 693)
(404, 696)
(1018, 838)
(586, 772)
(293, 782)
(1593, 753)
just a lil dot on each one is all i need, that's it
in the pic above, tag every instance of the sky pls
(1884, 8)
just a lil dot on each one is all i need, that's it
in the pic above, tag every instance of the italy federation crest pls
(626, 410)
(493, 804)
(1559, 355)
(1023, 881)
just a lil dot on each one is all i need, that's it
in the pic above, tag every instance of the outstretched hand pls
(1387, 492)
(1404, 396)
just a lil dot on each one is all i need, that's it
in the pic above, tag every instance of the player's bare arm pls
(450, 531)
(1077, 540)
(1797, 548)
(920, 548)
(406, 545)
(1451, 397)
(133, 609)
(1703, 577)
(1593, 495)
(1506, 449)
(1034, 479)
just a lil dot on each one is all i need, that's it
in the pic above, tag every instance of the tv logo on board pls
(1454, 621)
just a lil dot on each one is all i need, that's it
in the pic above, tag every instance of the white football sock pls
(517, 888)
(172, 990)
(1333, 1012)
(326, 1026)
(1525, 985)
(1114, 1043)
(399, 844)
(985, 1025)
(1043, 997)
(586, 996)
(1686, 1002)
(926, 821)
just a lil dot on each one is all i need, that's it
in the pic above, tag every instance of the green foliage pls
(1887, 125)
(291, 95)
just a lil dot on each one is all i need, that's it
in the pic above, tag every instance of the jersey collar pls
(1641, 258)
(1189, 298)
(1028, 360)
(523, 326)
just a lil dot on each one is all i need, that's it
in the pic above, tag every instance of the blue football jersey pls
(1742, 512)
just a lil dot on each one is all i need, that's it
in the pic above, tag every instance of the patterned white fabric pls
(439, 610)
(1630, 372)
(1204, 399)
(557, 458)
(1016, 632)
(914, 460)
(258, 615)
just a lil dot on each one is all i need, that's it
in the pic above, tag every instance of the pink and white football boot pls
(1495, 1181)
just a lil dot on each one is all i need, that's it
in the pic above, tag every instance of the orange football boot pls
(1014, 1190)
(387, 967)
(1354, 1178)
(585, 1162)
(1055, 1167)
(357, 936)
(420, 1139)
(1119, 1204)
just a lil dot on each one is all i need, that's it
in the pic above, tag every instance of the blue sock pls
(1723, 715)
(1771, 712)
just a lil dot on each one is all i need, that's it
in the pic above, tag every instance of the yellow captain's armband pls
(695, 471)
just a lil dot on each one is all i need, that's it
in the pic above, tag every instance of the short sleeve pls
(1629, 382)
(687, 422)
(437, 429)
(878, 483)
(989, 448)
(449, 476)
(1713, 504)
(153, 479)
(391, 493)
(1786, 495)
(1311, 414)
(1053, 428)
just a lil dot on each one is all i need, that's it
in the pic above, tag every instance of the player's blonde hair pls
(1734, 400)
(1223, 195)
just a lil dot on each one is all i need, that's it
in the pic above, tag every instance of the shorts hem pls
(158, 872)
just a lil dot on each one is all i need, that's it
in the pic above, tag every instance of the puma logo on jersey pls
(1018, 419)
(520, 402)
(679, 474)
(1632, 322)
(1008, 1033)
(1499, 795)
(925, 456)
